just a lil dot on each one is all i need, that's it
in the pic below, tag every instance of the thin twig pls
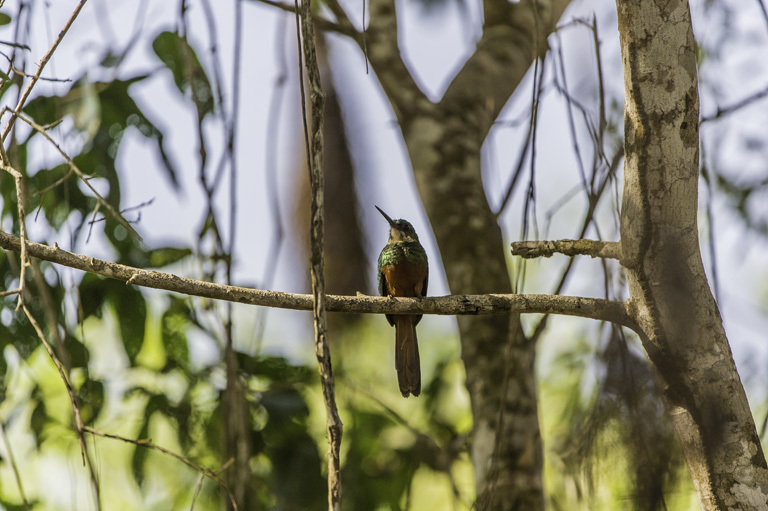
(11, 292)
(569, 111)
(36, 77)
(530, 196)
(14, 467)
(198, 487)
(22, 226)
(149, 445)
(74, 168)
(600, 90)
(270, 156)
(588, 220)
(54, 184)
(236, 439)
(79, 426)
(42, 78)
(62, 373)
(15, 45)
(722, 112)
(126, 210)
(518, 170)
(231, 130)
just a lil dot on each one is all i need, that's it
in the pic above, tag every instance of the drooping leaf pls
(38, 421)
(175, 322)
(58, 203)
(180, 58)
(103, 111)
(78, 353)
(127, 302)
(140, 453)
(91, 399)
(274, 368)
(160, 257)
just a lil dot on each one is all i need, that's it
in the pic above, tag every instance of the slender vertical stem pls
(314, 148)
(15, 467)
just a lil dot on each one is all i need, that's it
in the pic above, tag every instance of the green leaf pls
(161, 257)
(93, 294)
(175, 322)
(127, 302)
(78, 353)
(4, 19)
(274, 368)
(38, 420)
(179, 57)
(91, 397)
(140, 454)
(104, 111)
(59, 202)
(131, 308)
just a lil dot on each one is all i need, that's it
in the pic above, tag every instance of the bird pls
(403, 271)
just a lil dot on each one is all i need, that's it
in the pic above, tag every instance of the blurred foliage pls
(611, 441)
(131, 358)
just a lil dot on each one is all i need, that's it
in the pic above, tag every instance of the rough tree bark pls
(680, 324)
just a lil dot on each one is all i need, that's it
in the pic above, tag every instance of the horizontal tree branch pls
(594, 308)
(531, 249)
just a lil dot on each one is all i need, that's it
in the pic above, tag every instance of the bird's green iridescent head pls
(400, 230)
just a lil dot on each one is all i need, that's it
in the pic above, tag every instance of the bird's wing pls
(382, 279)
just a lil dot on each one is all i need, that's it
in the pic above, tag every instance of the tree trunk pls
(680, 324)
(444, 141)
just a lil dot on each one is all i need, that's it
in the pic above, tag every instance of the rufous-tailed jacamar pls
(403, 271)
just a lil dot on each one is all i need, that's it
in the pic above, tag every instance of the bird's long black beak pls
(391, 222)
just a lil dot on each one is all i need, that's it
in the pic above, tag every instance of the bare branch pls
(22, 223)
(42, 78)
(270, 155)
(149, 445)
(36, 77)
(603, 310)
(11, 292)
(592, 248)
(723, 111)
(64, 378)
(15, 45)
(79, 426)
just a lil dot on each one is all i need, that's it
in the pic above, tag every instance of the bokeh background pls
(141, 86)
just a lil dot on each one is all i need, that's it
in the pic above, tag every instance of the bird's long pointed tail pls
(407, 356)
